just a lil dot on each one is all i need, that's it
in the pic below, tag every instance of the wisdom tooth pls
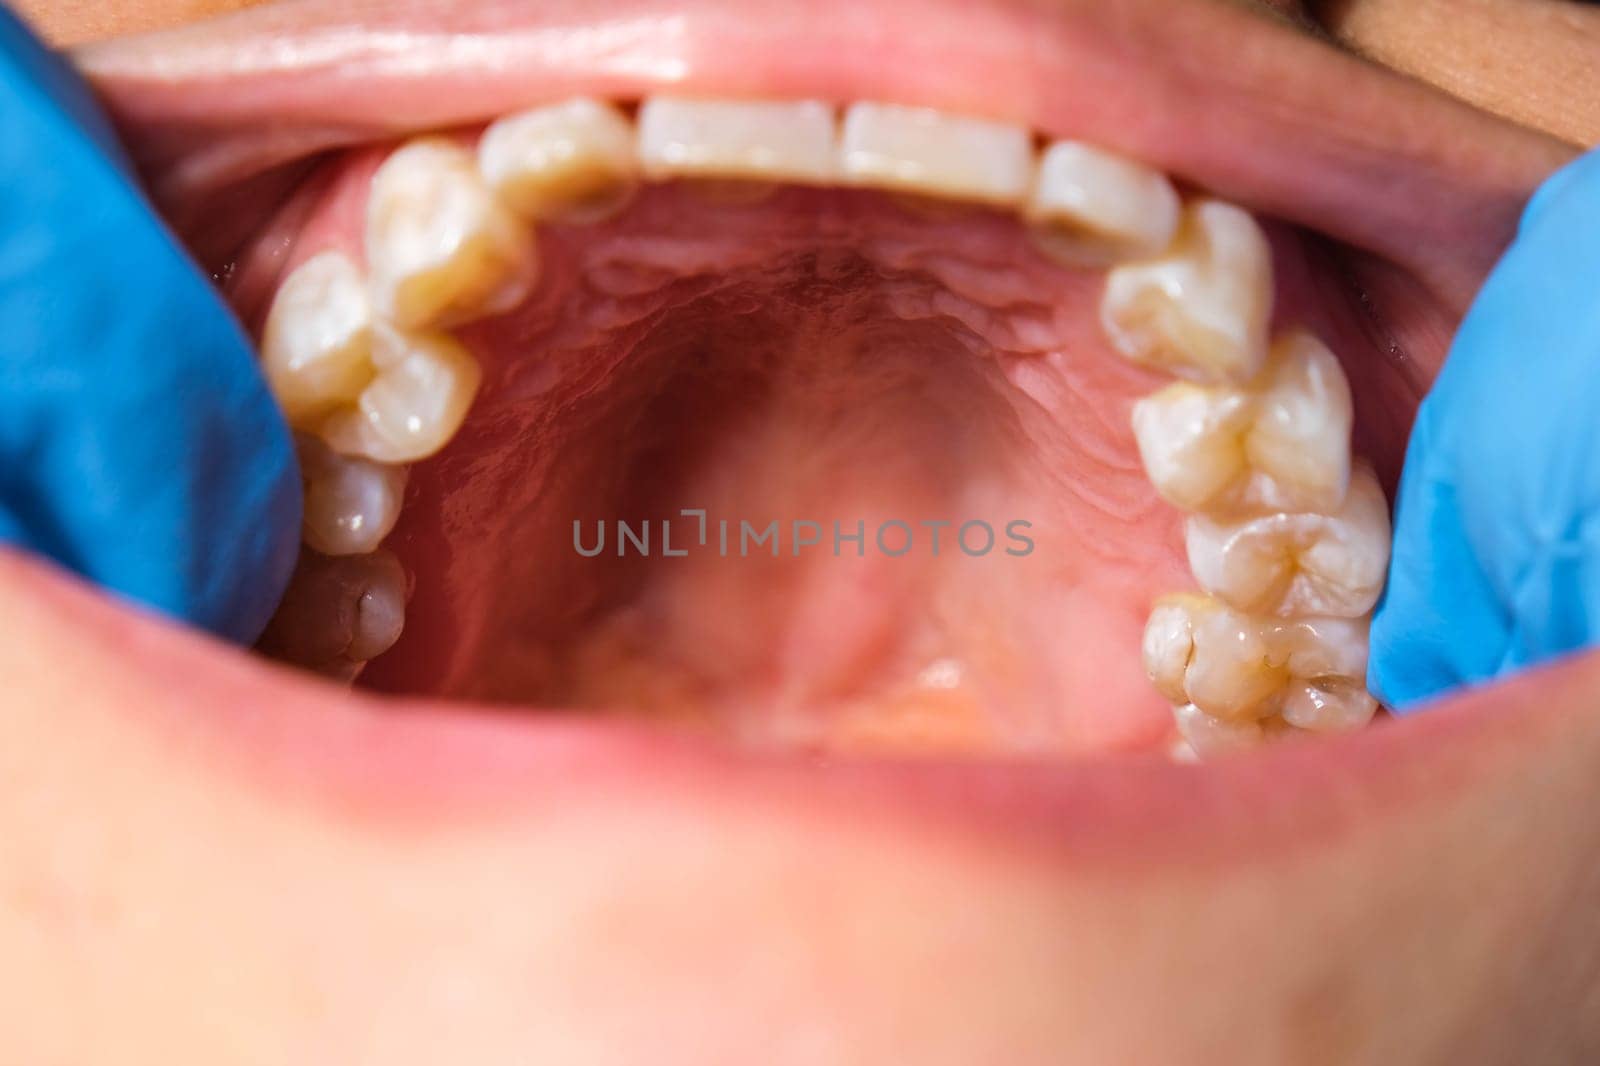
(923, 151)
(787, 140)
(573, 160)
(1282, 444)
(425, 384)
(1297, 564)
(441, 247)
(1201, 309)
(1239, 668)
(1091, 207)
(350, 504)
(339, 612)
(318, 336)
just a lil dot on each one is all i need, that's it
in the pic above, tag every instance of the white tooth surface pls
(1300, 437)
(1282, 444)
(1200, 310)
(574, 160)
(761, 139)
(441, 246)
(1191, 441)
(1297, 564)
(425, 384)
(1091, 207)
(1207, 736)
(1240, 668)
(350, 503)
(315, 349)
(919, 150)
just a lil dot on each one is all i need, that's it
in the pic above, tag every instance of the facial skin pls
(247, 866)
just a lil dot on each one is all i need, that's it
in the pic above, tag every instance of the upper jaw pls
(1210, 92)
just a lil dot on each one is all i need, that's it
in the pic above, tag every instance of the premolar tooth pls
(919, 150)
(757, 139)
(1090, 206)
(574, 160)
(315, 348)
(424, 386)
(1281, 445)
(1201, 309)
(350, 503)
(339, 612)
(1297, 564)
(441, 246)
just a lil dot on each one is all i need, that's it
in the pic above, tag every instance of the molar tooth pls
(339, 612)
(1198, 651)
(574, 160)
(424, 386)
(1091, 207)
(1297, 564)
(759, 139)
(1201, 309)
(441, 247)
(318, 335)
(919, 150)
(351, 504)
(1282, 445)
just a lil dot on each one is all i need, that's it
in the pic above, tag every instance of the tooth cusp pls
(441, 247)
(316, 345)
(351, 504)
(1201, 309)
(416, 403)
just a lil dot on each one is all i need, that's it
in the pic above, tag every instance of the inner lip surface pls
(1362, 181)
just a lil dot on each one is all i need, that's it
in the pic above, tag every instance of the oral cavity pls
(373, 348)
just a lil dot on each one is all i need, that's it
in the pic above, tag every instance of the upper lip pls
(1382, 165)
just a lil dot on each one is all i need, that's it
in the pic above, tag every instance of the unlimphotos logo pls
(693, 532)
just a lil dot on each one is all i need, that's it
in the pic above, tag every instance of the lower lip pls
(412, 761)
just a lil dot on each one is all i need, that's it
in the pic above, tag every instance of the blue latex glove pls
(1497, 535)
(138, 443)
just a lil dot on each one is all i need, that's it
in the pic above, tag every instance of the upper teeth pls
(1255, 441)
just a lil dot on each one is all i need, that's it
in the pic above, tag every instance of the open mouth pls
(680, 368)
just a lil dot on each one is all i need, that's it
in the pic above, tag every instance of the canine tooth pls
(441, 246)
(1090, 206)
(350, 503)
(318, 336)
(1297, 564)
(573, 160)
(424, 386)
(1207, 735)
(1281, 445)
(1200, 310)
(760, 139)
(339, 612)
(920, 150)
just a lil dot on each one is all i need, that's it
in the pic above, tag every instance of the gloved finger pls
(138, 443)
(1495, 541)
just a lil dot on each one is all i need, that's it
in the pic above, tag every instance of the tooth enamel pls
(573, 160)
(1281, 445)
(1239, 668)
(1201, 309)
(425, 383)
(339, 612)
(1207, 736)
(1090, 207)
(924, 151)
(1297, 564)
(787, 140)
(350, 504)
(318, 335)
(441, 247)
